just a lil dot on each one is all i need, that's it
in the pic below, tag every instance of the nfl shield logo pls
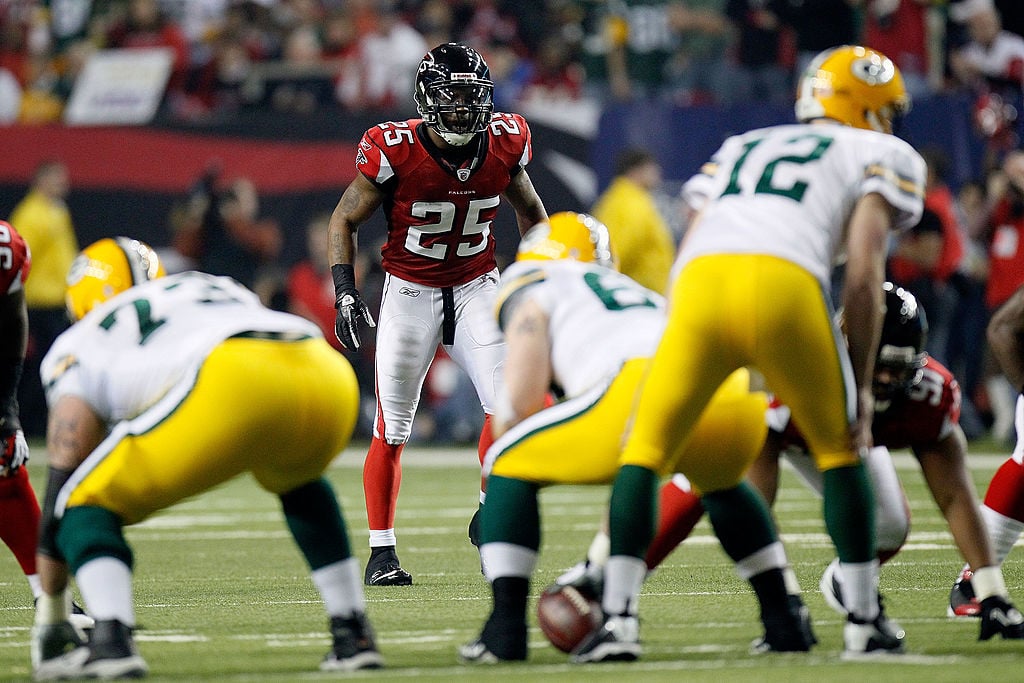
(463, 174)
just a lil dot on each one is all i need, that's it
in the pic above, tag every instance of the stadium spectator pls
(778, 286)
(563, 300)
(440, 182)
(991, 65)
(761, 74)
(554, 77)
(219, 88)
(1003, 508)
(818, 25)
(640, 43)
(643, 243)
(266, 377)
(902, 30)
(222, 232)
(301, 82)
(389, 55)
(699, 71)
(993, 57)
(44, 221)
(1005, 239)
(146, 26)
(965, 353)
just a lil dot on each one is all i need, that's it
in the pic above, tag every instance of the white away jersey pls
(789, 191)
(129, 351)
(598, 318)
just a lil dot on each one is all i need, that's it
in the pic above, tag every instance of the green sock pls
(314, 518)
(510, 513)
(741, 520)
(88, 532)
(633, 511)
(850, 512)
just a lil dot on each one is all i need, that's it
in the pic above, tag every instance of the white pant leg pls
(408, 332)
(892, 515)
(479, 347)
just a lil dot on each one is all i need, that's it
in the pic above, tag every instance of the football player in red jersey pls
(19, 509)
(439, 179)
(1003, 508)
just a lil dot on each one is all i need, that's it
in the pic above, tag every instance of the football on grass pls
(567, 616)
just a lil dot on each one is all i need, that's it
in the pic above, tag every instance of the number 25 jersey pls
(789, 191)
(439, 216)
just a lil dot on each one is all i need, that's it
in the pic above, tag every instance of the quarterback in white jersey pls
(163, 389)
(577, 328)
(806, 181)
(776, 208)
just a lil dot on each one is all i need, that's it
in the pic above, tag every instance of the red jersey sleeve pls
(15, 259)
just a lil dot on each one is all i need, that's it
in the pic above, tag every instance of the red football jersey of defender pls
(15, 259)
(921, 416)
(439, 216)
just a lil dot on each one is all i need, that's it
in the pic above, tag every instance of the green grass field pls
(222, 593)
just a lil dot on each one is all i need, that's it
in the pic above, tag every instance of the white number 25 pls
(445, 212)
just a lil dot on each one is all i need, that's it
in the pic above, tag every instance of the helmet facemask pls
(457, 111)
(454, 93)
(897, 369)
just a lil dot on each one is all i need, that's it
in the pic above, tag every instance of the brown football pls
(567, 616)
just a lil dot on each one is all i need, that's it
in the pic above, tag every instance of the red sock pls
(19, 518)
(486, 439)
(1005, 492)
(382, 477)
(680, 512)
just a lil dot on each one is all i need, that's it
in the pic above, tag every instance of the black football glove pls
(13, 452)
(350, 306)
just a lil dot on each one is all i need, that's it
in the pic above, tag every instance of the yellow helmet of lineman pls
(106, 268)
(568, 235)
(854, 85)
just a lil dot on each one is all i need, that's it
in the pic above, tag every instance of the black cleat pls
(109, 654)
(790, 632)
(383, 569)
(618, 640)
(354, 646)
(999, 616)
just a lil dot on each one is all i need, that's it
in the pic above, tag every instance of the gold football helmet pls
(106, 268)
(568, 235)
(854, 85)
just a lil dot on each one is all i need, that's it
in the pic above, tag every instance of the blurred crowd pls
(303, 55)
(298, 56)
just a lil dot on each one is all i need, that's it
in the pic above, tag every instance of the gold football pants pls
(281, 410)
(733, 311)
(578, 441)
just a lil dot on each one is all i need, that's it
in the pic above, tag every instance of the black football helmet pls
(454, 92)
(901, 352)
